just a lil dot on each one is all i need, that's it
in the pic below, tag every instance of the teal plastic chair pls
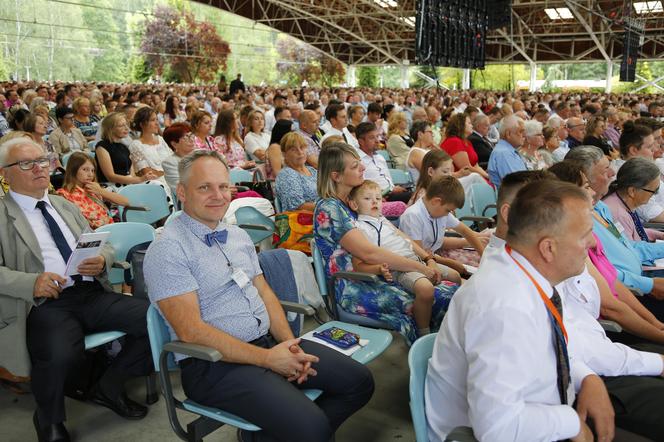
(172, 216)
(277, 204)
(123, 237)
(385, 154)
(258, 226)
(418, 363)
(401, 178)
(484, 200)
(96, 339)
(147, 203)
(210, 418)
(241, 176)
(327, 291)
(418, 360)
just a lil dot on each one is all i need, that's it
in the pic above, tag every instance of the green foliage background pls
(99, 40)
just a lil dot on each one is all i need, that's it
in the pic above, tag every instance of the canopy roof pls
(380, 32)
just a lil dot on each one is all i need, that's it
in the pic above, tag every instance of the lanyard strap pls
(378, 230)
(553, 311)
(608, 225)
(435, 233)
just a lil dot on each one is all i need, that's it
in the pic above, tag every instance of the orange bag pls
(294, 230)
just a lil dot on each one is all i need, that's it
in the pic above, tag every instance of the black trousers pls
(55, 336)
(638, 402)
(268, 400)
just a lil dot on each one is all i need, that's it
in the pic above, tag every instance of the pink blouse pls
(604, 266)
(235, 156)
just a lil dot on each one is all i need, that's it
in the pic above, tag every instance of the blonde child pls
(367, 201)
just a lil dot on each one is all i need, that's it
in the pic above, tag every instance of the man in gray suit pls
(44, 316)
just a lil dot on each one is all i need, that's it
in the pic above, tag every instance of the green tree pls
(367, 76)
(139, 70)
(109, 63)
(299, 61)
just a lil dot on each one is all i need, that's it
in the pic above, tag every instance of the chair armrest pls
(193, 350)
(610, 326)
(461, 434)
(656, 226)
(489, 206)
(478, 219)
(449, 234)
(254, 227)
(136, 208)
(124, 265)
(295, 307)
(356, 276)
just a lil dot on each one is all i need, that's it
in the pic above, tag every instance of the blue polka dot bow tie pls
(219, 237)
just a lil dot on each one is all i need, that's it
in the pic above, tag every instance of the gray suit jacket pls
(20, 264)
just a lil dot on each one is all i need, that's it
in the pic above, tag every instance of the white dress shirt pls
(347, 136)
(493, 366)
(53, 260)
(587, 339)
(381, 232)
(376, 170)
(417, 223)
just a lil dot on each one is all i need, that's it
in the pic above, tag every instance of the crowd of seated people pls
(330, 152)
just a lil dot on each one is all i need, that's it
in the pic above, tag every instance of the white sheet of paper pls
(87, 246)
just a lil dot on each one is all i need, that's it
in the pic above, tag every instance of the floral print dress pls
(383, 301)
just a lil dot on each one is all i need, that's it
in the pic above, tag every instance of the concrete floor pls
(385, 418)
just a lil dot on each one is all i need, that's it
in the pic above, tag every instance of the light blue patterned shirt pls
(180, 262)
(295, 189)
(504, 160)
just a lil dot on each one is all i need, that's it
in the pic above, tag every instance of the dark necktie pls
(315, 138)
(343, 134)
(562, 361)
(56, 232)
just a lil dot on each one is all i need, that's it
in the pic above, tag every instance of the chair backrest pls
(464, 211)
(250, 215)
(152, 196)
(385, 154)
(418, 360)
(319, 269)
(401, 177)
(65, 159)
(92, 145)
(483, 195)
(240, 176)
(172, 216)
(123, 237)
(277, 204)
(159, 336)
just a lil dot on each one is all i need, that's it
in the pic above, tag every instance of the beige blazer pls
(60, 141)
(21, 263)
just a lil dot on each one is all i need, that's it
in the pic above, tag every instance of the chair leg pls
(151, 395)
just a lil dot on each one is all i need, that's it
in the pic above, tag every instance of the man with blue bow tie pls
(204, 277)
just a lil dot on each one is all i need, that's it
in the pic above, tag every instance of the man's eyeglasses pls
(30, 164)
(654, 192)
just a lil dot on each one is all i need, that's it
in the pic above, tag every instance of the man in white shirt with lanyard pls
(629, 373)
(500, 363)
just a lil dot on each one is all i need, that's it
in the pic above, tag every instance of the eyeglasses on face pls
(30, 164)
(654, 192)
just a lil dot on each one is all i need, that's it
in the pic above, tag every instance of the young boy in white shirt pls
(426, 220)
(367, 201)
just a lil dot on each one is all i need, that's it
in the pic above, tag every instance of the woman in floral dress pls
(338, 238)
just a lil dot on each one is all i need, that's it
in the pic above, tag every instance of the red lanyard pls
(547, 301)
